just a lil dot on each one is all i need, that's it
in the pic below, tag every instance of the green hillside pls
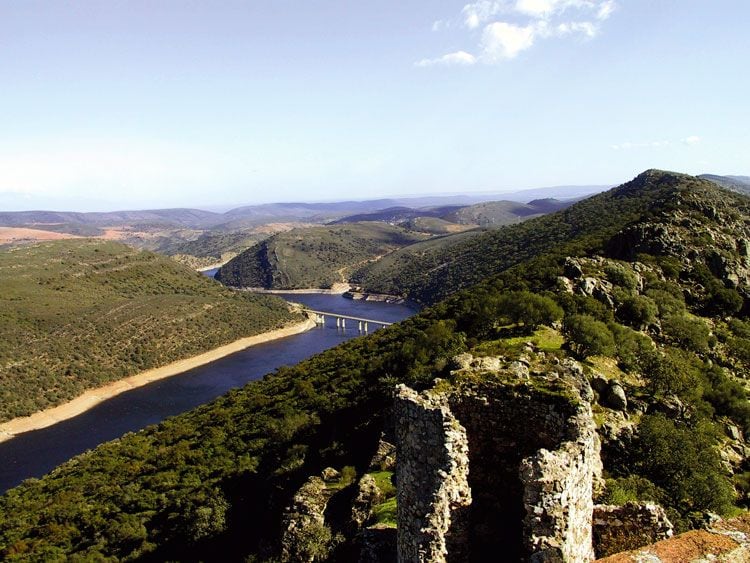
(432, 270)
(314, 256)
(77, 314)
(646, 287)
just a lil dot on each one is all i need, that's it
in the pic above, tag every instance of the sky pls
(137, 104)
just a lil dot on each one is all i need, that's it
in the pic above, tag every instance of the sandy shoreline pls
(92, 397)
(336, 289)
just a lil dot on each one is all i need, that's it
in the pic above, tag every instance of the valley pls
(630, 306)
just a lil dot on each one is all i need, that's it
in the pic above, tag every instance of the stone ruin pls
(499, 468)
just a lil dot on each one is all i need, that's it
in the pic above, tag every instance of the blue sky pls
(115, 104)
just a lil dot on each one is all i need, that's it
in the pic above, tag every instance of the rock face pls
(305, 534)
(501, 465)
(621, 528)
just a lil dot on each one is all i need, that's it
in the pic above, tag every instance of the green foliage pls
(683, 461)
(621, 275)
(632, 348)
(313, 256)
(673, 372)
(528, 309)
(728, 397)
(668, 302)
(585, 305)
(637, 311)
(588, 337)
(77, 314)
(632, 488)
(386, 513)
(689, 332)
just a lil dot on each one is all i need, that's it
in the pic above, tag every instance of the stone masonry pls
(431, 478)
(496, 465)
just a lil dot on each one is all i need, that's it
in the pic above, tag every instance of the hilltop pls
(313, 257)
(429, 271)
(80, 313)
(623, 317)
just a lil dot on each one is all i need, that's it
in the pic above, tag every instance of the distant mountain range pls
(252, 215)
(739, 184)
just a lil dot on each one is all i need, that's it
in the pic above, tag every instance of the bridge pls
(362, 324)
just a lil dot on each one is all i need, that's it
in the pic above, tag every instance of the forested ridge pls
(313, 256)
(646, 285)
(430, 271)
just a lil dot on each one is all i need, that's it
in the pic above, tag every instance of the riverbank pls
(335, 289)
(93, 397)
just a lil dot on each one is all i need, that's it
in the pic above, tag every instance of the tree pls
(637, 311)
(528, 309)
(588, 337)
(684, 462)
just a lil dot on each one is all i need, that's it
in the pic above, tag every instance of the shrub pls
(673, 373)
(683, 461)
(529, 309)
(588, 337)
(637, 311)
(621, 275)
(690, 333)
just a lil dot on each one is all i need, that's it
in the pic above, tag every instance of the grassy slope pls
(430, 271)
(313, 257)
(215, 480)
(76, 314)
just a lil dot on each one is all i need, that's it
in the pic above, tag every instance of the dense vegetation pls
(313, 257)
(80, 313)
(672, 330)
(430, 271)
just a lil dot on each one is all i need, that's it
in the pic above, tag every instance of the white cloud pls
(479, 12)
(440, 25)
(458, 58)
(536, 8)
(510, 27)
(501, 40)
(605, 10)
(692, 140)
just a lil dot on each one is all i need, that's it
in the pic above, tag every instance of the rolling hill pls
(739, 184)
(76, 314)
(313, 257)
(429, 271)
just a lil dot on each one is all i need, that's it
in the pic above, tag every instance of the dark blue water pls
(35, 453)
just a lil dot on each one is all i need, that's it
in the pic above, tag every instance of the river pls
(35, 453)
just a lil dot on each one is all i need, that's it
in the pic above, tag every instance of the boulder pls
(615, 397)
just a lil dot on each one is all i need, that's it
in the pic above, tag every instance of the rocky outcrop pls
(368, 495)
(306, 537)
(622, 528)
(497, 464)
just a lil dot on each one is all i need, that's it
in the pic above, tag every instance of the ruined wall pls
(431, 477)
(621, 528)
(558, 495)
(496, 467)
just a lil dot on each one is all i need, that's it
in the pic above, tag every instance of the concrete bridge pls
(362, 324)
